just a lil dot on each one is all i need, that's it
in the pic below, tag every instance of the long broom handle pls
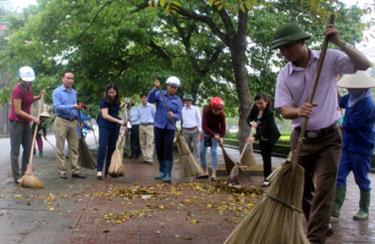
(311, 98)
(125, 118)
(50, 143)
(167, 107)
(40, 107)
(247, 144)
(80, 121)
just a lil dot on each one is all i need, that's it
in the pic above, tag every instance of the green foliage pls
(5, 95)
(130, 43)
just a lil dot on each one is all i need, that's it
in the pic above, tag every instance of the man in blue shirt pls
(168, 111)
(65, 126)
(146, 129)
(134, 131)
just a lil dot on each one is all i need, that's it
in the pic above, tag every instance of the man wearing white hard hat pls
(168, 111)
(358, 140)
(20, 118)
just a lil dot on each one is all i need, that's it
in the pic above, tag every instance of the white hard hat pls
(26, 73)
(174, 81)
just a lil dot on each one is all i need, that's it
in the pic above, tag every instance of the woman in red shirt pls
(19, 120)
(213, 125)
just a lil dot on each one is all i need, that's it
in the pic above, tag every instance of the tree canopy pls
(216, 47)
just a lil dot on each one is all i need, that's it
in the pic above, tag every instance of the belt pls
(67, 118)
(192, 128)
(147, 124)
(318, 133)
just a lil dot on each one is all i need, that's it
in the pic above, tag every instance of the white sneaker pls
(99, 175)
(266, 183)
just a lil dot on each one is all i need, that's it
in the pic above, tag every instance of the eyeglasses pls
(174, 87)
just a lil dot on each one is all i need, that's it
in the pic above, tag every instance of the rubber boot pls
(364, 203)
(168, 171)
(161, 170)
(339, 200)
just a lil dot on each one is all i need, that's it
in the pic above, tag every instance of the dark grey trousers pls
(320, 158)
(20, 134)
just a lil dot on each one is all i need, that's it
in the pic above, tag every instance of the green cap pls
(188, 97)
(288, 33)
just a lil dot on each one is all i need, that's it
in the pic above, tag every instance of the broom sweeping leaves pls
(236, 171)
(277, 218)
(116, 168)
(28, 179)
(190, 166)
(229, 164)
(85, 158)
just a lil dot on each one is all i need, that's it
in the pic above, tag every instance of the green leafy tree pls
(216, 47)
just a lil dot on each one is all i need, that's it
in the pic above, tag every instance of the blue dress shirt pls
(146, 113)
(165, 103)
(134, 115)
(63, 102)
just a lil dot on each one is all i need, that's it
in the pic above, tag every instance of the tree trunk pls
(244, 99)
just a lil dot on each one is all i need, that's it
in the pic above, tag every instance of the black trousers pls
(134, 141)
(266, 152)
(164, 144)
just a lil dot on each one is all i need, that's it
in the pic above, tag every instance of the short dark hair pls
(67, 71)
(106, 97)
(143, 95)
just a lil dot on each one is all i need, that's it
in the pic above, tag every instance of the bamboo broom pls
(229, 163)
(85, 157)
(28, 179)
(190, 166)
(277, 217)
(116, 168)
(236, 170)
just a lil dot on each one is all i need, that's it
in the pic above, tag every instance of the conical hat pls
(360, 79)
(45, 114)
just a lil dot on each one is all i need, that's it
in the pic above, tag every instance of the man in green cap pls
(321, 150)
(191, 124)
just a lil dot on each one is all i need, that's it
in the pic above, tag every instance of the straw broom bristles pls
(236, 170)
(190, 166)
(229, 164)
(28, 179)
(277, 218)
(85, 158)
(116, 168)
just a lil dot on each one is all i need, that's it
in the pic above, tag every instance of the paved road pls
(65, 212)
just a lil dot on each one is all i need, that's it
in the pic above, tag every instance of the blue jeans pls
(107, 145)
(203, 150)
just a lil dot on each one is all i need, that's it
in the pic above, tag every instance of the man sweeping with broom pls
(168, 111)
(321, 148)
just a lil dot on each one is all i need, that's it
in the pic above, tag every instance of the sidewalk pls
(138, 209)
